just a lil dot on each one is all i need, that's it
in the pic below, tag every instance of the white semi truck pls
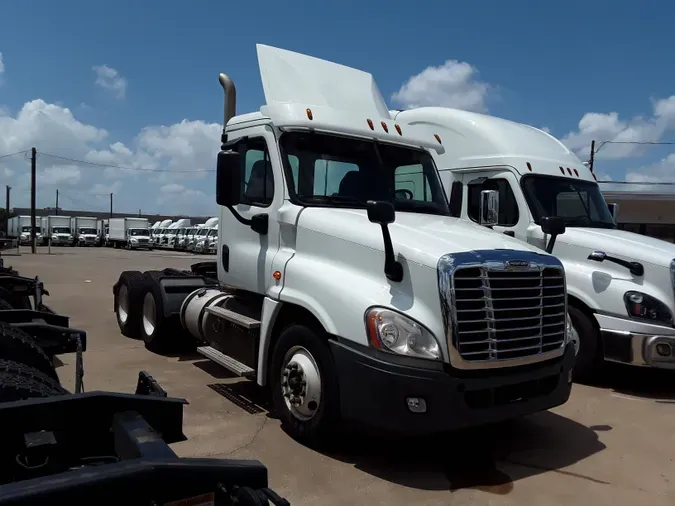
(84, 230)
(620, 285)
(19, 227)
(158, 235)
(355, 303)
(56, 230)
(130, 233)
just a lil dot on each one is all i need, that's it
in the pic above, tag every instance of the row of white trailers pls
(128, 232)
(184, 236)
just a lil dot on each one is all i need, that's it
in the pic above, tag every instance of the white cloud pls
(663, 170)
(545, 129)
(610, 127)
(110, 80)
(2, 67)
(453, 84)
(150, 161)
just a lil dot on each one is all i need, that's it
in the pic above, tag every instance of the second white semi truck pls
(130, 233)
(19, 227)
(620, 285)
(356, 303)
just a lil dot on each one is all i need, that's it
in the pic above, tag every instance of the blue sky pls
(547, 64)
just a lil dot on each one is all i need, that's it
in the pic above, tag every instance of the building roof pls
(50, 211)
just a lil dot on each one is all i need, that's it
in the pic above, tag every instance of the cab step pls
(226, 361)
(234, 317)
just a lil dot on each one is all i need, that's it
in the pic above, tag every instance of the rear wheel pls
(128, 302)
(159, 332)
(17, 346)
(18, 382)
(590, 357)
(304, 386)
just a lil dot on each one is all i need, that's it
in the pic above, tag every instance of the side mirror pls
(383, 213)
(228, 178)
(614, 211)
(489, 208)
(380, 212)
(553, 226)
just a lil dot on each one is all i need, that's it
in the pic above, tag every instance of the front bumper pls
(636, 343)
(379, 392)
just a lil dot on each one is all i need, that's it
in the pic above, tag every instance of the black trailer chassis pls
(102, 447)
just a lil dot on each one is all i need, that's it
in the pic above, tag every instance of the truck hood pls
(622, 244)
(421, 238)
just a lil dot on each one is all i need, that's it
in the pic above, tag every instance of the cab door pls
(514, 217)
(246, 252)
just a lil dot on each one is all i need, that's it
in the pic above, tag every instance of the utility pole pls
(590, 161)
(7, 190)
(139, 213)
(33, 167)
(57, 202)
(111, 204)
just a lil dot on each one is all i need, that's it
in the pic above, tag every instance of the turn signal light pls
(385, 127)
(398, 129)
(576, 172)
(529, 166)
(277, 274)
(370, 124)
(310, 116)
(438, 138)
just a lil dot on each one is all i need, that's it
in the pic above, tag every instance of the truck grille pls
(503, 314)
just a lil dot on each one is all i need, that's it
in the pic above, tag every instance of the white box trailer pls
(18, 227)
(84, 230)
(131, 233)
(56, 229)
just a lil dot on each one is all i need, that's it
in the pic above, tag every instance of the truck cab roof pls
(474, 139)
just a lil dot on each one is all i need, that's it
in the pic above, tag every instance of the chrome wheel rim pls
(123, 304)
(149, 316)
(301, 383)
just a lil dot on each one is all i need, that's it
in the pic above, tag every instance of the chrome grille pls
(503, 314)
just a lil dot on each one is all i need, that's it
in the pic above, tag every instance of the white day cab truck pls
(19, 227)
(130, 233)
(56, 231)
(84, 230)
(620, 285)
(355, 304)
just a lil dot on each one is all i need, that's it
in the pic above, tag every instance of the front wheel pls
(590, 356)
(304, 384)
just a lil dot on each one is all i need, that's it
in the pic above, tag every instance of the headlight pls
(54, 236)
(645, 307)
(70, 237)
(395, 332)
(133, 239)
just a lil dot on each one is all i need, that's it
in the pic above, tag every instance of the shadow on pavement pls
(644, 382)
(470, 458)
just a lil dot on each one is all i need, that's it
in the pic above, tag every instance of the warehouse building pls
(648, 213)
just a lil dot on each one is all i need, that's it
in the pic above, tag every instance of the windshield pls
(60, 230)
(138, 231)
(329, 170)
(202, 231)
(88, 231)
(27, 229)
(213, 233)
(579, 203)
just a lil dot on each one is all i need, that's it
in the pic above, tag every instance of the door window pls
(258, 178)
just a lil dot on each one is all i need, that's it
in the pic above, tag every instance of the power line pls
(14, 154)
(653, 183)
(112, 166)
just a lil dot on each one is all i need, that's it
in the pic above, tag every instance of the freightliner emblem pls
(512, 264)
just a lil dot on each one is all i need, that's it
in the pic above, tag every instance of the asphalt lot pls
(612, 443)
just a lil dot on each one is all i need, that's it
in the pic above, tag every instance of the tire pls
(17, 346)
(590, 357)
(159, 333)
(15, 368)
(20, 384)
(305, 347)
(129, 303)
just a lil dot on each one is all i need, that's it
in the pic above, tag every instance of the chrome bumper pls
(636, 343)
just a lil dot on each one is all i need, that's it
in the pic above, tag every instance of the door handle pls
(225, 257)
